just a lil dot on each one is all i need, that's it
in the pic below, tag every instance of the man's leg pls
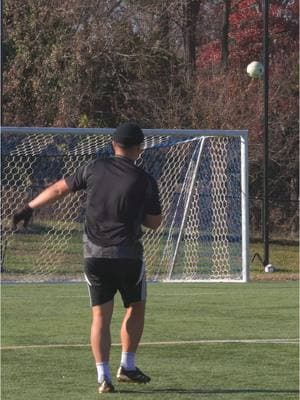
(131, 333)
(101, 338)
(133, 326)
(133, 294)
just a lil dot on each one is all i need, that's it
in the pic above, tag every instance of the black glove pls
(23, 215)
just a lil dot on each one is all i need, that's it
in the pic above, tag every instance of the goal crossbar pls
(109, 131)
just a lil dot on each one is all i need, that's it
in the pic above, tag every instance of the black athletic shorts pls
(106, 276)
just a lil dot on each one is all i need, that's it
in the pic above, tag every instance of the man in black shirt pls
(120, 198)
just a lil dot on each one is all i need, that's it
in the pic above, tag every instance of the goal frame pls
(184, 133)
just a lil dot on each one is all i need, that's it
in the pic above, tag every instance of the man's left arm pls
(152, 216)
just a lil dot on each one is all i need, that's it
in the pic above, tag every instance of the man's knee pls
(137, 308)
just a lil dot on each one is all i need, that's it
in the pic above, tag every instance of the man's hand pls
(23, 215)
(152, 221)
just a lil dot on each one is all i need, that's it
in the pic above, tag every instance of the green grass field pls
(23, 256)
(193, 345)
(284, 255)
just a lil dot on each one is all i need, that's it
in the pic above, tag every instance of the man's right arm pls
(51, 194)
(47, 196)
(54, 192)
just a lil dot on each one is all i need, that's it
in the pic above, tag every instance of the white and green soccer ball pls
(255, 70)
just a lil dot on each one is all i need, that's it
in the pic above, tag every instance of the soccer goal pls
(203, 183)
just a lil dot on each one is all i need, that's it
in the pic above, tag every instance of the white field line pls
(86, 296)
(165, 343)
(44, 297)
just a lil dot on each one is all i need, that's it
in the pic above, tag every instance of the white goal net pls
(202, 178)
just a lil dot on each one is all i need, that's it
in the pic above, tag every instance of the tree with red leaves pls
(244, 27)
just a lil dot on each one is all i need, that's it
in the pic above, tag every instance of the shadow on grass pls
(209, 391)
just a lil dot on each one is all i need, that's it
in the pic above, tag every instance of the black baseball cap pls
(128, 134)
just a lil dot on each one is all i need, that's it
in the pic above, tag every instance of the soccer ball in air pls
(255, 70)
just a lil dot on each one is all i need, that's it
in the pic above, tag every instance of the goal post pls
(203, 182)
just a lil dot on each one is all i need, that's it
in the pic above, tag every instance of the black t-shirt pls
(119, 194)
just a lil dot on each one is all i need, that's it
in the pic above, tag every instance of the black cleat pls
(106, 387)
(132, 376)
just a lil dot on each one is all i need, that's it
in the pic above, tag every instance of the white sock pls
(128, 361)
(103, 372)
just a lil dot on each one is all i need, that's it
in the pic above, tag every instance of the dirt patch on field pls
(274, 277)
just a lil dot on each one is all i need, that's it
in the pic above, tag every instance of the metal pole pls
(2, 60)
(266, 131)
